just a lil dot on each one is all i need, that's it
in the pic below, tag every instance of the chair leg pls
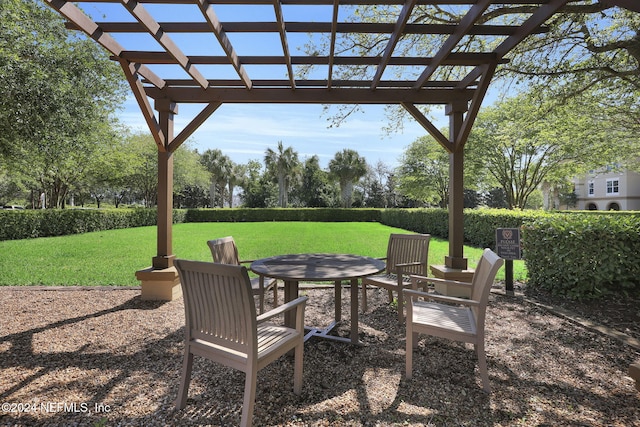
(249, 398)
(390, 295)
(400, 306)
(482, 367)
(297, 368)
(409, 352)
(183, 390)
(364, 297)
(275, 294)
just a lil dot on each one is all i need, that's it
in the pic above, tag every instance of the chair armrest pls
(247, 261)
(404, 264)
(410, 293)
(420, 279)
(407, 264)
(294, 304)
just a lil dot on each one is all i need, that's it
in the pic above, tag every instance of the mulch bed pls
(104, 357)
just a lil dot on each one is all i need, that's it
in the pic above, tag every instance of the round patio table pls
(295, 268)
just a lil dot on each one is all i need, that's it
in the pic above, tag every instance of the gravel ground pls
(106, 358)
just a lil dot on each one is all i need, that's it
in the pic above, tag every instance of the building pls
(612, 189)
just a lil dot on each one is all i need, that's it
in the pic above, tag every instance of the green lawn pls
(112, 257)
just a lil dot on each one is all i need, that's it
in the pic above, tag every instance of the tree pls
(347, 167)
(285, 167)
(258, 190)
(316, 190)
(588, 44)
(376, 186)
(523, 141)
(143, 180)
(423, 174)
(219, 167)
(58, 92)
(235, 177)
(190, 177)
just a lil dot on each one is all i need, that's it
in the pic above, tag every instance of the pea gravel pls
(103, 357)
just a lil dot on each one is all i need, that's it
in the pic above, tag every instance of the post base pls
(447, 273)
(159, 285)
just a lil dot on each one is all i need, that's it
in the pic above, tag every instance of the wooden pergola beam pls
(310, 27)
(311, 95)
(454, 59)
(466, 23)
(396, 35)
(139, 12)
(215, 25)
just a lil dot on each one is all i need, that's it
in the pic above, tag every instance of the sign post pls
(508, 248)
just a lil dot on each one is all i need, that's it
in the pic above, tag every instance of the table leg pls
(338, 300)
(354, 311)
(290, 293)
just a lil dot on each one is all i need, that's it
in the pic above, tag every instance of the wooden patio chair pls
(221, 325)
(457, 319)
(406, 254)
(225, 251)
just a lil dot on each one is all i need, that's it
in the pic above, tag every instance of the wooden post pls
(161, 280)
(165, 257)
(455, 264)
(456, 259)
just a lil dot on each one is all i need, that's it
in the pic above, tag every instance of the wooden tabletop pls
(320, 267)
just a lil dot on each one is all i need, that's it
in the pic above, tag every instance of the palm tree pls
(219, 167)
(347, 167)
(236, 177)
(285, 165)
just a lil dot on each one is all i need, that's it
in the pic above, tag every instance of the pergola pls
(169, 71)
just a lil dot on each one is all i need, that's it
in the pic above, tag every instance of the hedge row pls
(583, 256)
(479, 224)
(58, 222)
(282, 214)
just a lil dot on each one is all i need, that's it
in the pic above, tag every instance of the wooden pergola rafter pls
(457, 74)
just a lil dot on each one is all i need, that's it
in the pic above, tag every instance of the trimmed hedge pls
(428, 221)
(58, 222)
(27, 224)
(282, 214)
(583, 256)
(479, 224)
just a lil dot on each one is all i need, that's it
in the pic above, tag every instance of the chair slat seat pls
(444, 317)
(271, 337)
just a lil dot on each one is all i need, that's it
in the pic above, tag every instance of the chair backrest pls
(224, 250)
(405, 248)
(218, 304)
(482, 281)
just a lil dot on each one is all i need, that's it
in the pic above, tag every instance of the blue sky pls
(244, 131)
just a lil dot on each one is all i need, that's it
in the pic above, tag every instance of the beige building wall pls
(619, 190)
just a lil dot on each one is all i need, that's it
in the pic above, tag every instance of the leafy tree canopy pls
(57, 95)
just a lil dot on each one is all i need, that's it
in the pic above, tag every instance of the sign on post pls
(508, 243)
(508, 247)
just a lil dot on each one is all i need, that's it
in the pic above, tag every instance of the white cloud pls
(245, 131)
